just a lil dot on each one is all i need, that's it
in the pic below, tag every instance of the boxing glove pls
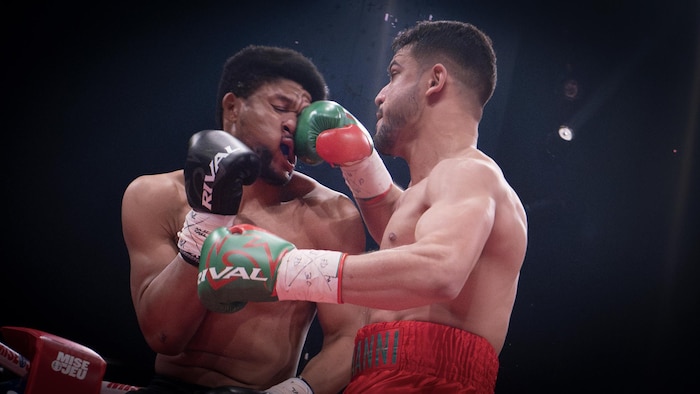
(246, 263)
(324, 117)
(217, 167)
(328, 132)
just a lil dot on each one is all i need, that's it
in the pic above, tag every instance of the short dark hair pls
(255, 65)
(459, 42)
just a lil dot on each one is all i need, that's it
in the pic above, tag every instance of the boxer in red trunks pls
(455, 239)
(443, 283)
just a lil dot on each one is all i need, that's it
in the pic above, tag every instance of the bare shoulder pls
(314, 194)
(474, 172)
(160, 195)
(331, 219)
(146, 187)
(480, 176)
(474, 175)
(157, 182)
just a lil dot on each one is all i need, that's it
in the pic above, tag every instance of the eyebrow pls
(393, 63)
(290, 101)
(285, 98)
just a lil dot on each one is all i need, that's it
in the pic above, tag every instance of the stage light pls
(566, 133)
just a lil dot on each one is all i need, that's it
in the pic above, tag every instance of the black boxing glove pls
(218, 166)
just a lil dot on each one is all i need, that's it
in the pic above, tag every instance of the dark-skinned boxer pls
(250, 347)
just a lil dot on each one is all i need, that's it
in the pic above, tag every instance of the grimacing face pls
(267, 121)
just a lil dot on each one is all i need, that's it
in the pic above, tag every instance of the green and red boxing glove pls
(246, 263)
(328, 132)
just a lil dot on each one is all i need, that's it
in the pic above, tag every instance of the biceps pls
(150, 250)
(460, 227)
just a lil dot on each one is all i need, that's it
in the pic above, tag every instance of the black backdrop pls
(98, 94)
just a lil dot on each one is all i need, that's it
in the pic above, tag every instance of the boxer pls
(242, 171)
(443, 283)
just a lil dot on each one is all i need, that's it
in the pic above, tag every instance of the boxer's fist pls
(245, 263)
(239, 264)
(217, 167)
(328, 132)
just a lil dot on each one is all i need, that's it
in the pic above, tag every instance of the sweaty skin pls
(260, 345)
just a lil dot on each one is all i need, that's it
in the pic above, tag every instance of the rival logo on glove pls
(228, 273)
(208, 185)
(226, 264)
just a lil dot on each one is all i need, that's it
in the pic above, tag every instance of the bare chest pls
(400, 229)
(284, 220)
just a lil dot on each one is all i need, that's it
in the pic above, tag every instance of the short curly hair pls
(256, 65)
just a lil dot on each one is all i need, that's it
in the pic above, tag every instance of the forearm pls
(329, 371)
(168, 309)
(398, 278)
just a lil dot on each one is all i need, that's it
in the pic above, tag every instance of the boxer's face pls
(266, 122)
(398, 103)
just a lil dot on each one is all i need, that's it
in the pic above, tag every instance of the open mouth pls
(287, 149)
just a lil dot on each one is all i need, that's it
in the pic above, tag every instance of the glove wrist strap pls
(195, 230)
(306, 384)
(367, 178)
(311, 275)
(291, 385)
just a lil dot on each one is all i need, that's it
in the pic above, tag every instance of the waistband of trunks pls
(425, 348)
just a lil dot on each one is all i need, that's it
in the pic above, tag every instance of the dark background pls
(608, 301)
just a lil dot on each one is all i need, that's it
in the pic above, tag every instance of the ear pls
(230, 104)
(438, 76)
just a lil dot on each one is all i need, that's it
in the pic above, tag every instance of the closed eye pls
(282, 109)
(392, 73)
(393, 69)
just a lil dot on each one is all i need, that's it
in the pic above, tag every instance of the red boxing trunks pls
(421, 357)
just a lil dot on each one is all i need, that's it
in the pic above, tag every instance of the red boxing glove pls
(344, 145)
(327, 131)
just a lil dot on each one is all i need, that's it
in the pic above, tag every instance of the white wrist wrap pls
(310, 275)
(367, 178)
(291, 386)
(195, 230)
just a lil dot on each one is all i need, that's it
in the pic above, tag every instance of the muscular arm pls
(434, 253)
(163, 288)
